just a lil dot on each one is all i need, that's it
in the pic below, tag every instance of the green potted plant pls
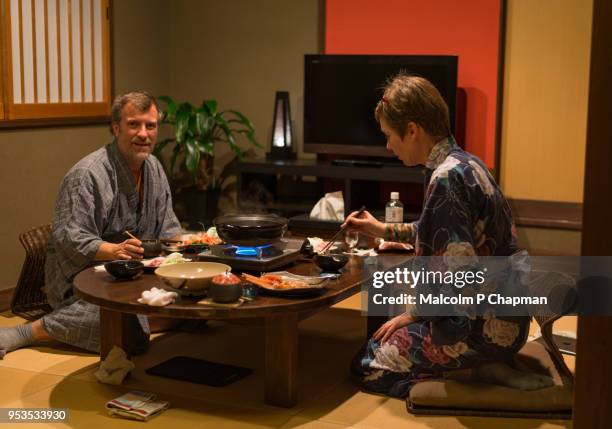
(195, 182)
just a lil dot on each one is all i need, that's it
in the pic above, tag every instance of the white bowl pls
(189, 277)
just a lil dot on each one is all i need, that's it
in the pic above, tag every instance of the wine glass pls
(351, 238)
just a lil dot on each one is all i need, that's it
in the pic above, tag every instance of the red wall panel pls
(467, 28)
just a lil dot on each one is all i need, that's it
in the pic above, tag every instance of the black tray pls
(199, 371)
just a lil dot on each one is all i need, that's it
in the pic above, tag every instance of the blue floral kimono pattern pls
(464, 214)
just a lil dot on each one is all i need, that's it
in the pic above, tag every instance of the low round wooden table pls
(118, 303)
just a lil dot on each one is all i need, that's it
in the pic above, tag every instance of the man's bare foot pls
(38, 331)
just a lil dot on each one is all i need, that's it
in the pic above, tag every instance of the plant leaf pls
(182, 122)
(202, 121)
(210, 106)
(175, 153)
(170, 106)
(206, 147)
(250, 135)
(192, 156)
(242, 119)
(192, 127)
(159, 147)
(229, 134)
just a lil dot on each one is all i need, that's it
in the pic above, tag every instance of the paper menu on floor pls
(136, 405)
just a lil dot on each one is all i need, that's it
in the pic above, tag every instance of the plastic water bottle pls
(394, 210)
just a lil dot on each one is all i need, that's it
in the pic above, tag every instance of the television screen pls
(341, 92)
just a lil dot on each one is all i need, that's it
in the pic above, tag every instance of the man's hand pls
(365, 223)
(385, 331)
(129, 249)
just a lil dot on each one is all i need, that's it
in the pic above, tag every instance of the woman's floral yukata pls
(464, 214)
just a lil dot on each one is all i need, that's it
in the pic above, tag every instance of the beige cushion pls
(468, 395)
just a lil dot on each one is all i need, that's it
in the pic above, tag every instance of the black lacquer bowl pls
(124, 269)
(331, 262)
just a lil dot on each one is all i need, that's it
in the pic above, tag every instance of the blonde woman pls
(464, 214)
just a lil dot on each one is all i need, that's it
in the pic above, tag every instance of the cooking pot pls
(250, 229)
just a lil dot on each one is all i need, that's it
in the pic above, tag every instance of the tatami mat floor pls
(62, 377)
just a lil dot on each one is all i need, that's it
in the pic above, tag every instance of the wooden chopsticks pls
(131, 235)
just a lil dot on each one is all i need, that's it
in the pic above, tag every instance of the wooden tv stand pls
(296, 185)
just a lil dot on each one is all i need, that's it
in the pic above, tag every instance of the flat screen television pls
(341, 92)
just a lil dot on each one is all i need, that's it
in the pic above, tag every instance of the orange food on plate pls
(201, 238)
(270, 281)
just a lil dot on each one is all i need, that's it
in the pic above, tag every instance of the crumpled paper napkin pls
(115, 367)
(157, 297)
(330, 207)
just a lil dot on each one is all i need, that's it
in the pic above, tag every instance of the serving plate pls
(296, 292)
(317, 285)
(311, 280)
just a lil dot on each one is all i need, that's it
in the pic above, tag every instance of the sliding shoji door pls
(56, 58)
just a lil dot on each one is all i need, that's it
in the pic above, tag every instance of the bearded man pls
(119, 187)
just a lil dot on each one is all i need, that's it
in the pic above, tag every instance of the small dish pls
(225, 288)
(331, 262)
(122, 269)
(225, 293)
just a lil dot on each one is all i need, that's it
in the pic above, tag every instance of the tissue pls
(330, 207)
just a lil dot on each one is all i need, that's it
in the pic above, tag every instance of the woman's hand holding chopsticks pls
(364, 223)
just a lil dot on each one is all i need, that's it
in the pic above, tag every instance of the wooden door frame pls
(593, 388)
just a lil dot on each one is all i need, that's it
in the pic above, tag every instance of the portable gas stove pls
(262, 258)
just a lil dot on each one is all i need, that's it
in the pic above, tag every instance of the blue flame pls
(249, 251)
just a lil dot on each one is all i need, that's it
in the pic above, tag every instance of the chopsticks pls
(329, 244)
(163, 240)
(131, 235)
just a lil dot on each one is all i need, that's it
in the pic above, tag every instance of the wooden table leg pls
(115, 331)
(281, 360)
(375, 322)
